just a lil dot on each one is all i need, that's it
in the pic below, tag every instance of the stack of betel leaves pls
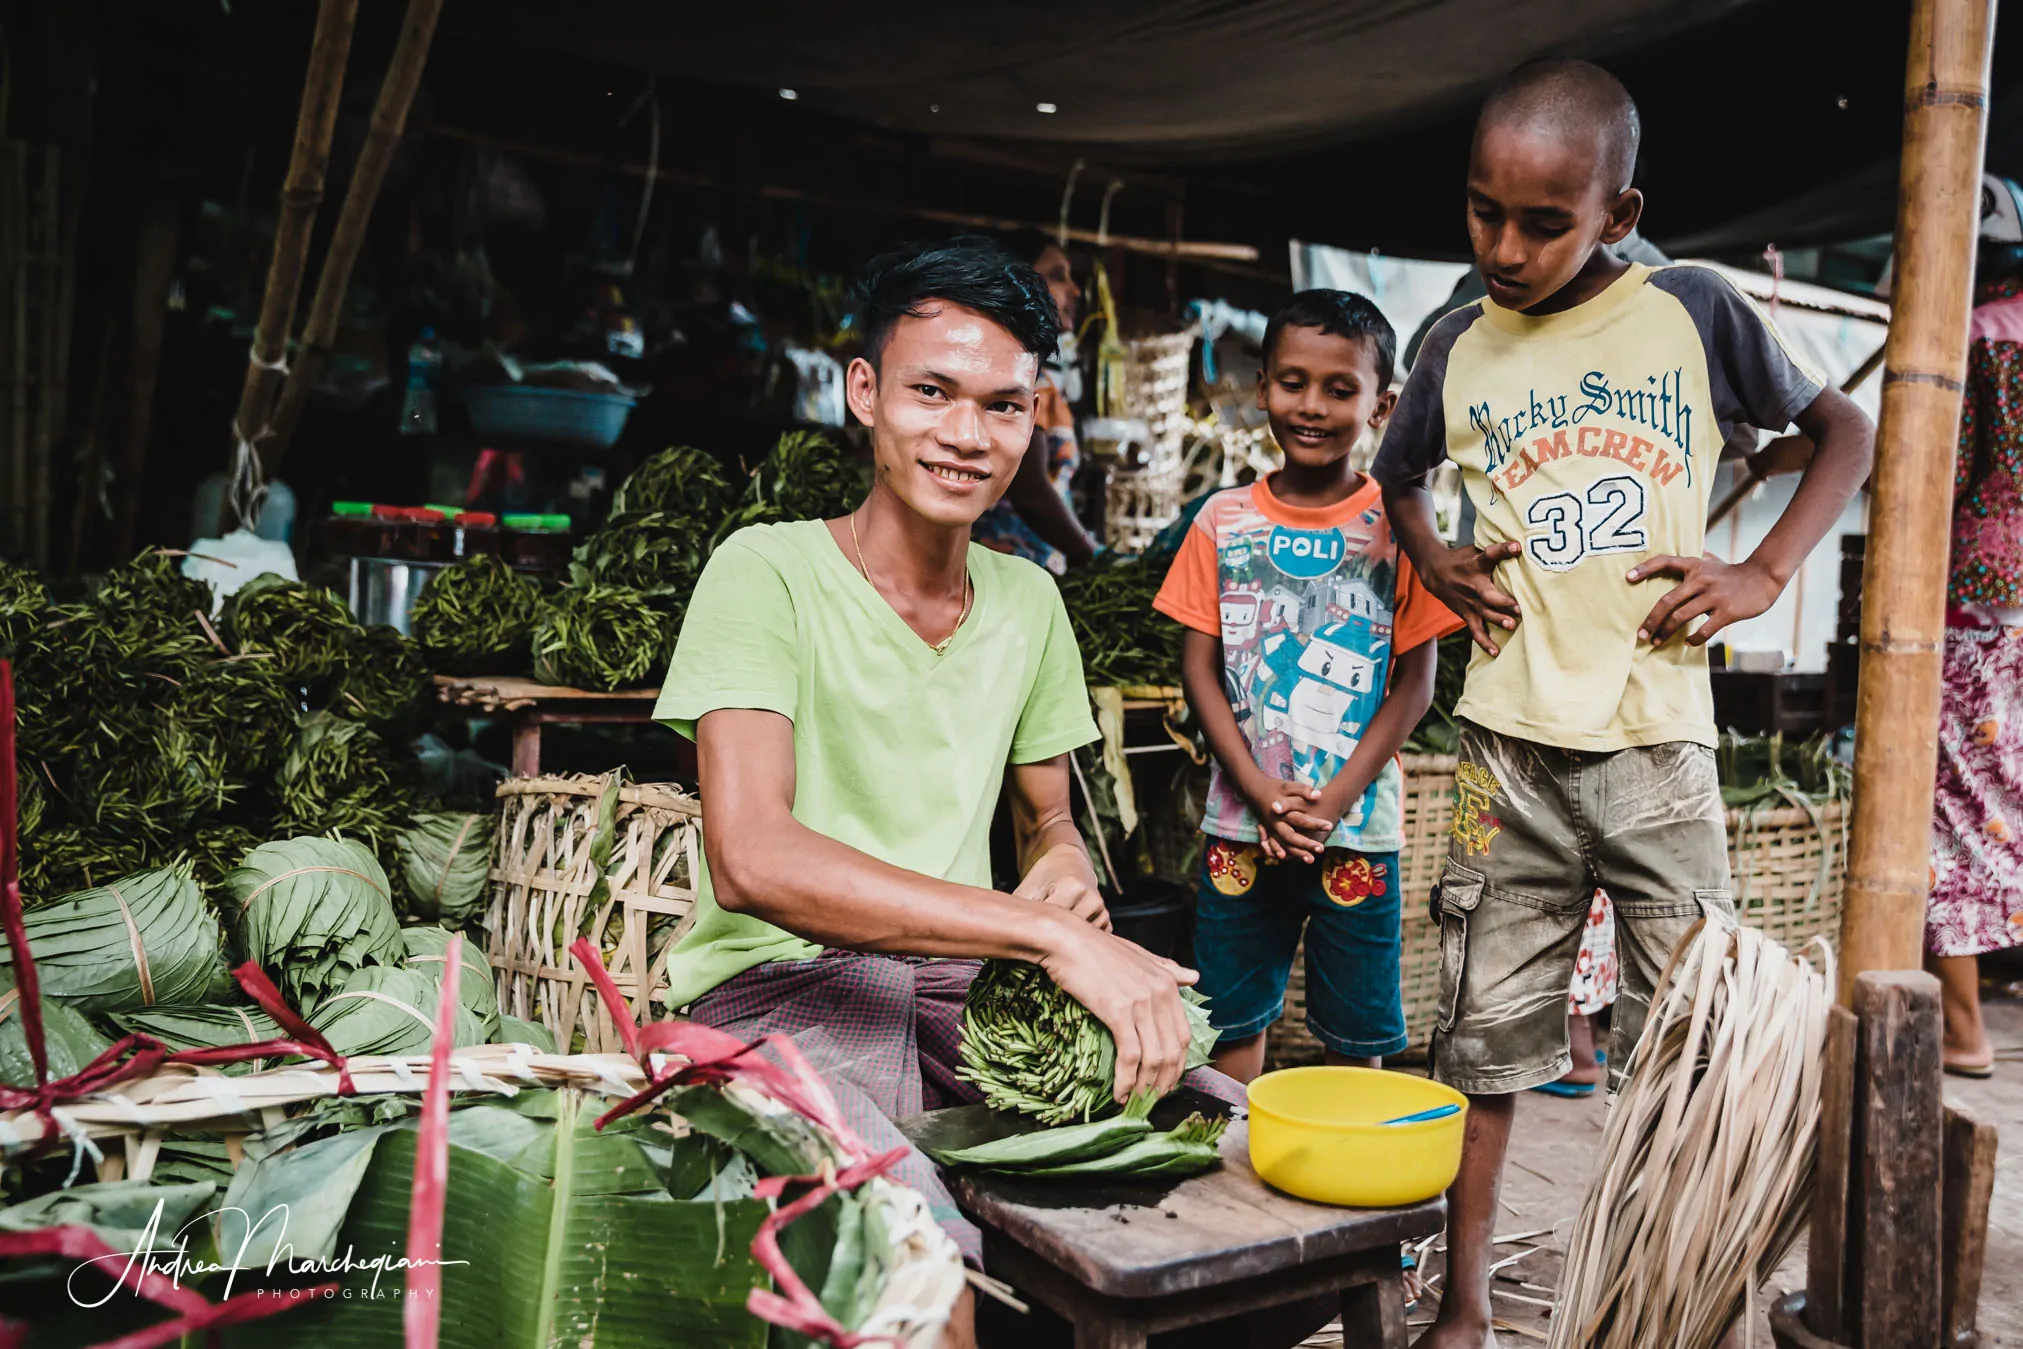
(152, 735)
(614, 624)
(1033, 1050)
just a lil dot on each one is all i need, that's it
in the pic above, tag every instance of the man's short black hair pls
(1337, 313)
(1567, 99)
(970, 271)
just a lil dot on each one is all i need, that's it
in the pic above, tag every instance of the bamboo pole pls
(322, 85)
(389, 118)
(1904, 576)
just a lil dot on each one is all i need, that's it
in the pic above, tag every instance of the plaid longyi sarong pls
(883, 1031)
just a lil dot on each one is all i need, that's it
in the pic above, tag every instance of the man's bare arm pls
(765, 863)
(1054, 863)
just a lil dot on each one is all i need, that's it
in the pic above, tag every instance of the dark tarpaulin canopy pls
(1339, 121)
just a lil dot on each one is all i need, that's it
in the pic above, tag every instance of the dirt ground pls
(1553, 1146)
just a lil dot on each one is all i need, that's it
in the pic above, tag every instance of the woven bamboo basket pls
(1787, 864)
(126, 1126)
(561, 870)
(1149, 474)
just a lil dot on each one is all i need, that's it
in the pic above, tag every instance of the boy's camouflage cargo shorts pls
(1536, 829)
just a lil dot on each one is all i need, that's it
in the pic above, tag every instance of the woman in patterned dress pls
(1977, 819)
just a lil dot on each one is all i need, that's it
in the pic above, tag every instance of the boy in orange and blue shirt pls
(1309, 658)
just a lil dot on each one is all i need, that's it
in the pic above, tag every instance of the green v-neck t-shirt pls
(899, 752)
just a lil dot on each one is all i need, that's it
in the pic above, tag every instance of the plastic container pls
(477, 532)
(1318, 1134)
(535, 542)
(570, 415)
(351, 530)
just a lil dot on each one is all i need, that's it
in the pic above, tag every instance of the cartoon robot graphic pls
(1321, 693)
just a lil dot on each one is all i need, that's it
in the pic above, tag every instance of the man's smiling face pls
(950, 407)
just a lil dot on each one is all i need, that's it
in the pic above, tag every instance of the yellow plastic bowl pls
(1316, 1133)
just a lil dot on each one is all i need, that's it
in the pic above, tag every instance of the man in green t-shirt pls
(860, 691)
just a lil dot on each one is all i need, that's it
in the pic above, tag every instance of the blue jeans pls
(1249, 913)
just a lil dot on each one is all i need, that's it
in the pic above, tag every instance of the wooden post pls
(1904, 581)
(389, 118)
(154, 273)
(300, 195)
(1969, 1190)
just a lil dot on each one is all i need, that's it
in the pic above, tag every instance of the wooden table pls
(1124, 1261)
(528, 706)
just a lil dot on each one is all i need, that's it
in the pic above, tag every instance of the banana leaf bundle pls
(442, 865)
(312, 912)
(138, 941)
(1031, 1048)
(69, 1041)
(513, 1031)
(306, 629)
(242, 704)
(383, 1009)
(804, 477)
(477, 989)
(601, 637)
(477, 617)
(1122, 1145)
(680, 481)
(148, 601)
(333, 767)
(657, 555)
(1123, 639)
(204, 1026)
(64, 858)
(384, 678)
(23, 601)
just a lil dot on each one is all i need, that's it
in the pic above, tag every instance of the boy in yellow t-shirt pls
(1585, 401)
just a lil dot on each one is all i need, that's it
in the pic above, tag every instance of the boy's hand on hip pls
(1062, 877)
(1136, 995)
(1463, 579)
(1721, 592)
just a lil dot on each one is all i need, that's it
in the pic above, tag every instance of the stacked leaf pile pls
(151, 735)
(1033, 1050)
(1124, 641)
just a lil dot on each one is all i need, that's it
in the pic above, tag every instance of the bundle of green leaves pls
(1030, 1047)
(69, 1040)
(336, 774)
(681, 482)
(216, 848)
(152, 789)
(658, 555)
(312, 912)
(204, 1026)
(384, 1009)
(477, 990)
(63, 858)
(242, 704)
(601, 637)
(477, 617)
(442, 866)
(306, 629)
(383, 681)
(148, 602)
(22, 603)
(1124, 641)
(136, 941)
(804, 477)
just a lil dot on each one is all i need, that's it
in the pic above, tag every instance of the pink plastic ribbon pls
(423, 1314)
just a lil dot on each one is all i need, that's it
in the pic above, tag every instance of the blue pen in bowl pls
(1424, 1116)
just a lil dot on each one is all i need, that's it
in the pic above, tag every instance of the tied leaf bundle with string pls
(1029, 1047)
(383, 681)
(387, 1010)
(803, 477)
(204, 1026)
(313, 911)
(442, 865)
(1705, 1173)
(601, 637)
(477, 617)
(477, 989)
(306, 629)
(680, 482)
(137, 941)
(69, 1041)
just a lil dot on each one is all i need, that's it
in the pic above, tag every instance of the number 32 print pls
(1565, 528)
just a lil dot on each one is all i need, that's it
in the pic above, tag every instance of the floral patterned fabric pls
(1597, 967)
(1988, 475)
(1977, 854)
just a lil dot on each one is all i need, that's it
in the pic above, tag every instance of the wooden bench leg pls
(1373, 1312)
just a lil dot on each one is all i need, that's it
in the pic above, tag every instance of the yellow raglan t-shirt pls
(1591, 437)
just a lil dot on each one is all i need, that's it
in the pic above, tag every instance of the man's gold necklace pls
(968, 590)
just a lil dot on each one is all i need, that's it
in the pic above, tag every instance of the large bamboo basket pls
(1787, 866)
(558, 875)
